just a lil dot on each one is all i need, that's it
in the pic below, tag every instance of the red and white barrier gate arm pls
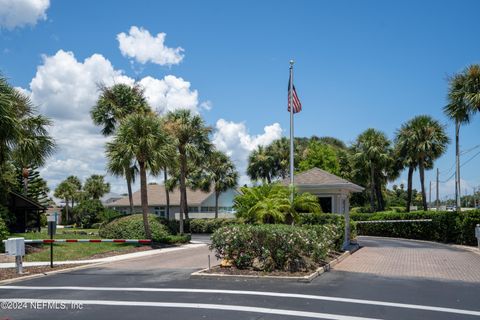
(141, 241)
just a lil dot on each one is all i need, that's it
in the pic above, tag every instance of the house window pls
(160, 211)
(192, 209)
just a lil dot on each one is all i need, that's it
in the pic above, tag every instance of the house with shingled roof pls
(200, 204)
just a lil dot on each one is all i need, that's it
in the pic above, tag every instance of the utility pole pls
(457, 163)
(438, 198)
(430, 196)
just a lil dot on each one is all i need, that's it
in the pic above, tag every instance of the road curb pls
(201, 274)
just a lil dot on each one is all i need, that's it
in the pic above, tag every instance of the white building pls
(200, 204)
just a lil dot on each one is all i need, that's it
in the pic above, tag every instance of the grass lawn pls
(72, 251)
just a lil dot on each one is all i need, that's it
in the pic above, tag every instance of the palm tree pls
(429, 141)
(118, 164)
(191, 139)
(372, 158)
(279, 150)
(76, 187)
(23, 135)
(261, 165)
(67, 191)
(141, 137)
(113, 105)
(222, 174)
(463, 102)
(95, 187)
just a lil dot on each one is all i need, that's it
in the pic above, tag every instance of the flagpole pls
(291, 132)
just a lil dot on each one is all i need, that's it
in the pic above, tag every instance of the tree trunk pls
(66, 211)
(129, 188)
(167, 194)
(378, 191)
(144, 197)
(183, 169)
(422, 183)
(217, 195)
(372, 187)
(409, 188)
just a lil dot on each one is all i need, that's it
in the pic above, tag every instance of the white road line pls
(282, 312)
(256, 293)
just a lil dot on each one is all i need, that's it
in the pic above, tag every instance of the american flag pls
(297, 105)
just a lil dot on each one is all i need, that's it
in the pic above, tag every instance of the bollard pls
(208, 262)
(19, 264)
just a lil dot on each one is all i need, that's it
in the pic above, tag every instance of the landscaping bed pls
(233, 271)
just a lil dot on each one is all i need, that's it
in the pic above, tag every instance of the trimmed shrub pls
(3, 230)
(330, 219)
(275, 247)
(447, 227)
(174, 225)
(131, 227)
(173, 239)
(209, 225)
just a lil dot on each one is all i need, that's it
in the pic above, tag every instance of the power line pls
(469, 150)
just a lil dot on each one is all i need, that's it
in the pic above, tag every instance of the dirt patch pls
(11, 273)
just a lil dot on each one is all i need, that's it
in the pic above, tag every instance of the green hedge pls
(3, 233)
(131, 227)
(447, 227)
(276, 246)
(210, 225)
(327, 219)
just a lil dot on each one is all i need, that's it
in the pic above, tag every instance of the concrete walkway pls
(122, 257)
(408, 258)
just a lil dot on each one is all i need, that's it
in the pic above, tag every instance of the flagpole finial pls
(291, 62)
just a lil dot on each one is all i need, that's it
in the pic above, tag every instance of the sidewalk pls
(106, 259)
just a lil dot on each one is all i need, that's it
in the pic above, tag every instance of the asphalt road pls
(160, 288)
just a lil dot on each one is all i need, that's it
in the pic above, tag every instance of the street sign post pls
(52, 228)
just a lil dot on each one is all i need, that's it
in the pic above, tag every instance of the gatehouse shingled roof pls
(321, 179)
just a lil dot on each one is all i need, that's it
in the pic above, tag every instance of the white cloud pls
(143, 47)
(233, 139)
(65, 89)
(18, 13)
(170, 93)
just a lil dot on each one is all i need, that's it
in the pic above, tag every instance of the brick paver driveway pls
(407, 258)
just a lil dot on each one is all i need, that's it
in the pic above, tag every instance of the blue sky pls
(359, 64)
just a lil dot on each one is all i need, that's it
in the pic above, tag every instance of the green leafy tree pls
(37, 186)
(190, 137)
(321, 156)
(88, 212)
(142, 137)
(95, 187)
(279, 150)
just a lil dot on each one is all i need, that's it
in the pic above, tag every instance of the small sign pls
(52, 225)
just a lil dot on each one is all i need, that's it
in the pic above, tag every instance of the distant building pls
(200, 204)
(111, 197)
